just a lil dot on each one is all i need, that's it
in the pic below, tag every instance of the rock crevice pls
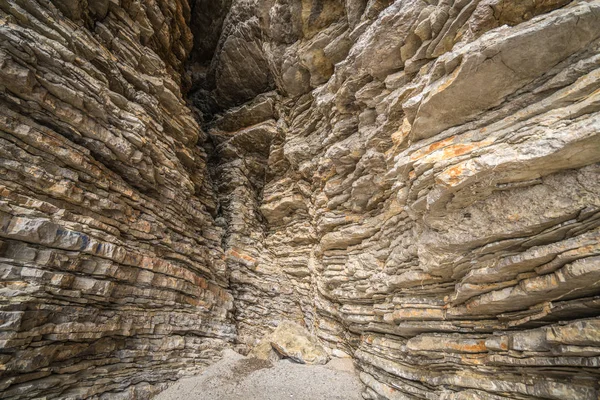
(416, 182)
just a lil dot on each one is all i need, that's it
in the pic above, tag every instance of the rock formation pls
(113, 278)
(291, 341)
(416, 182)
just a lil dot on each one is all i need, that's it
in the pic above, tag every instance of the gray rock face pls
(112, 273)
(416, 182)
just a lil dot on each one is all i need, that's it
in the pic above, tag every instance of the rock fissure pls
(414, 182)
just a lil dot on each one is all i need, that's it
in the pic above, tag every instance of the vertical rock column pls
(263, 295)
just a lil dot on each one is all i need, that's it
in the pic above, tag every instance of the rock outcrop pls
(113, 279)
(293, 342)
(414, 181)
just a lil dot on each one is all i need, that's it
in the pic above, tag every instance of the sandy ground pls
(236, 377)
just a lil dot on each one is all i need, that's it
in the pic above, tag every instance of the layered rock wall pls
(113, 278)
(415, 181)
(431, 198)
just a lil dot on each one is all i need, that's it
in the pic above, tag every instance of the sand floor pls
(236, 377)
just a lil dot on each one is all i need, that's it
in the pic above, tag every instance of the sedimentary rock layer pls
(113, 280)
(415, 181)
(431, 200)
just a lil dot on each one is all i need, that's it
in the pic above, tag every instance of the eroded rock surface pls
(414, 181)
(113, 279)
(290, 340)
(430, 203)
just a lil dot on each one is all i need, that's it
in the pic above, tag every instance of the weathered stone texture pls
(431, 197)
(415, 181)
(113, 279)
(292, 341)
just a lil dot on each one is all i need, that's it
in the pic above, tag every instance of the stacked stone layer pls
(415, 181)
(431, 197)
(113, 277)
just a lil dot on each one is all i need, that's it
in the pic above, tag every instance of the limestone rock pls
(264, 351)
(290, 340)
(417, 180)
(113, 280)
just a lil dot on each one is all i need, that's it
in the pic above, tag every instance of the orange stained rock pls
(390, 390)
(165, 267)
(201, 282)
(589, 249)
(431, 148)
(14, 284)
(542, 283)
(449, 81)
(220, 292)
(458, 150)
(448, 343)
(479, 347)
(191, 301)
(394, 208)
(402, 132)
(241, 256)
(449, 151)
(452, 176)
(327, 174)
(399, 136)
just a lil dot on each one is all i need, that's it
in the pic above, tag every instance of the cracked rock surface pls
(113, 279)
(414, 181)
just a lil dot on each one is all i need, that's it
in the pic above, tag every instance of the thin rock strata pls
(113, 278)
(417, 182)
